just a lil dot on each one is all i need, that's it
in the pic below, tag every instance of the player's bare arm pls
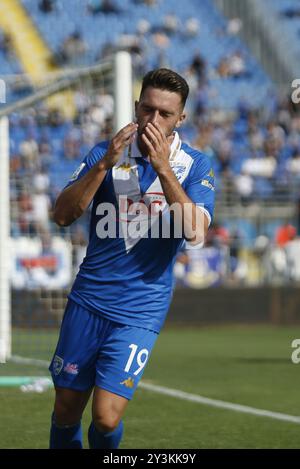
(194, 219)
(74, 200)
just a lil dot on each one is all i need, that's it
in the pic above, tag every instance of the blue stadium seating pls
(212, 42)
(97, 30)
(288, 27)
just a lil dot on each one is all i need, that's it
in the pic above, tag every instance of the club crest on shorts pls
(58, 363)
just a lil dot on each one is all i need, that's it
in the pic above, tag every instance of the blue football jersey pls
(127, 275)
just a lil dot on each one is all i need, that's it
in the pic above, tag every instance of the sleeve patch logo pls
(76, 172)
(206, 183)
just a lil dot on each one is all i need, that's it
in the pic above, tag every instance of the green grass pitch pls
(249, 365)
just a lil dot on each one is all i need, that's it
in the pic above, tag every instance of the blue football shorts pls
(92, 350)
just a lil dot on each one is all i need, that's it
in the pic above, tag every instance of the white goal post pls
(5, 302)
(120, 66)
(123, 90)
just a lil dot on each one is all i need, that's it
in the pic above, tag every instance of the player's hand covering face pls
(118, 144)
(158, 145)
(158, 112)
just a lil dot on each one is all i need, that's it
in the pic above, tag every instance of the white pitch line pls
(216, 403)
(187, 396)
(29, 361)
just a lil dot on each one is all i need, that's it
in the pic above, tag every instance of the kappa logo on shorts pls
(58, 363)
(129, 383)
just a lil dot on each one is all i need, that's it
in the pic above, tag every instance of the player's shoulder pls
(98, 151)
(200, 160)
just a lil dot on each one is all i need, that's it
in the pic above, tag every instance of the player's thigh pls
(107, 409)
(69, 405)
(122, 359)
(73, 365)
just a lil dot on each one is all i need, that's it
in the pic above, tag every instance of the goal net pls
(43, 138)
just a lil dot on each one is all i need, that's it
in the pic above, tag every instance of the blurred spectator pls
(45, 155)
(103, 6)
(72, 50)
(15, 164)
(171, 24)
(198, 66)
(255, 134)
(293, 164)
(94, 6)
(6, 44)
(201, 100)
(41, 203)
(284, 234)
(47, 6)
(223, 153)
(291, 12)
(292, 250)
(244, 186)
(71, 145)
(149, 3)
(238, 269)
(191, 27)
(217, 236)
(223, 68)
(204, 138)
(237, 65)
(25, 217)
(55, 118)
(143, 27)
(234, 26)
(264, 165)
(106, 102)
(275, 135)
(161, 42)
(233, 66)
(29, 153)
(298, 215)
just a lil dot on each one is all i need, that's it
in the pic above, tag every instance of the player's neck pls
(142, 148)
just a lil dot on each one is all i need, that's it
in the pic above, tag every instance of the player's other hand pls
(158, 146)
(118, 144)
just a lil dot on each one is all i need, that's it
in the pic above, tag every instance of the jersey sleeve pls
(200, 186)
(95, 155)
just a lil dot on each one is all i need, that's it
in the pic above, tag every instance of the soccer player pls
(121, 295)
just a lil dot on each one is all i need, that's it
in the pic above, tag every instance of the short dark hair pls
(165, 79)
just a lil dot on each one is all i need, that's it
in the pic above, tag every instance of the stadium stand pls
(285, 16)
(251, 134)
(96, 31)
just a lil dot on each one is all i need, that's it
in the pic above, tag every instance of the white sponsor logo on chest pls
(126, 183)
